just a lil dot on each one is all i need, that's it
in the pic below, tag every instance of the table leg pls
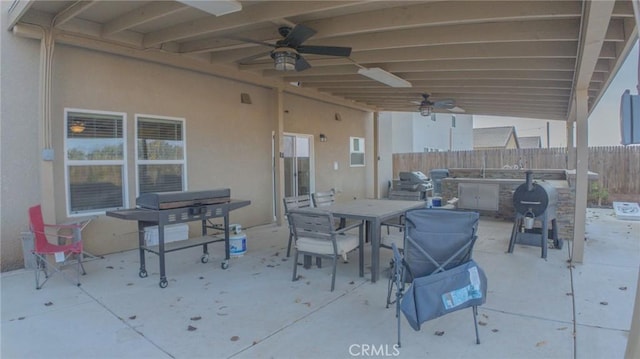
(374, 234)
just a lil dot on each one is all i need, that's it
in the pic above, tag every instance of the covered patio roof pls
(507, 58)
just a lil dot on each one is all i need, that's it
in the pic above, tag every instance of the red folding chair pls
(65, 254)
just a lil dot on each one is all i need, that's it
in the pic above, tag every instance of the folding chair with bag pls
(437, 262)
(64, 254)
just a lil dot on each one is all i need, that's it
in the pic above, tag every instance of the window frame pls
(138, 162)
(69, 163)
(361, 150)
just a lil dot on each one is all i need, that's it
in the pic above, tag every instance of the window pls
(95, 169)
(356, 152)
(160, 154)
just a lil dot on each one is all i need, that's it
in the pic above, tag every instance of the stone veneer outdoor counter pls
(507, 181)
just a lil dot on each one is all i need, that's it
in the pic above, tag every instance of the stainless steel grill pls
(414, 185)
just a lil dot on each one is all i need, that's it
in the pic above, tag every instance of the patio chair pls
(326, 198)
(437, 262)
(398, 221)
(303, 201)
(315, 235)
(68, 254)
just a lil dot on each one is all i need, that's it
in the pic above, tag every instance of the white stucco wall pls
(402, 131)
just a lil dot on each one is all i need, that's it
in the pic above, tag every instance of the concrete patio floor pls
(254, 310)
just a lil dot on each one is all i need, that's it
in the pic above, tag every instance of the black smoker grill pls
(535, 202)
(178, 207)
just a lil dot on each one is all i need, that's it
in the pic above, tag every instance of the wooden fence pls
(618, 167)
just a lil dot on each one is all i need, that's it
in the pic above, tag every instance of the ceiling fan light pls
(425, 110)
(284, 60)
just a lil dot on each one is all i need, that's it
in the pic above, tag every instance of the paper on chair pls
(59, 257)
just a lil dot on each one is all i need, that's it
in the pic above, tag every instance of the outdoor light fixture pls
(285, 59)
(77, 127)
(384, 77)
(323, 137)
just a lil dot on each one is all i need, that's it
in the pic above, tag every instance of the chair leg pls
(398, 296)
(41, 266)
(475, 322)
(36, 270)
(295, 266)
(361, 255)
(79, 267)
(390, 284)
(289, 245)
(333, 274)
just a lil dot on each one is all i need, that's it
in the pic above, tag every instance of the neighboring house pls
(495, 138)
(438, 132)
(530, 142)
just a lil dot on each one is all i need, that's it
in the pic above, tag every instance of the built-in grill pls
(412, 185)
(161, 209)
(535, 205)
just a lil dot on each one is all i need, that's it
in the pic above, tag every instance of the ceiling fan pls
(287, 51)
(426, 107)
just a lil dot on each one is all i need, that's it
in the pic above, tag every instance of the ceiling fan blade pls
(302, 64)
(251, 41)
(298, 35)
(248, 59)
(448, 103)
(325, 50)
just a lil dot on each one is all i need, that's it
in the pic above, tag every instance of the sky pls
(604, 121)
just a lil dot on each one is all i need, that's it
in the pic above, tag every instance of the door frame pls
(312, 170)
(312, 167)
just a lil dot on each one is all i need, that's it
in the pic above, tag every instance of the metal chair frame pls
(294, 202)
(318, 224)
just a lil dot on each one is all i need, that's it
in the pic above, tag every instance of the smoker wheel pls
(142, 273)
(204, 258)
(163, 283)
(225, 264)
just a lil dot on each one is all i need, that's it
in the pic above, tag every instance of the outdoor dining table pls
(373, 212)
